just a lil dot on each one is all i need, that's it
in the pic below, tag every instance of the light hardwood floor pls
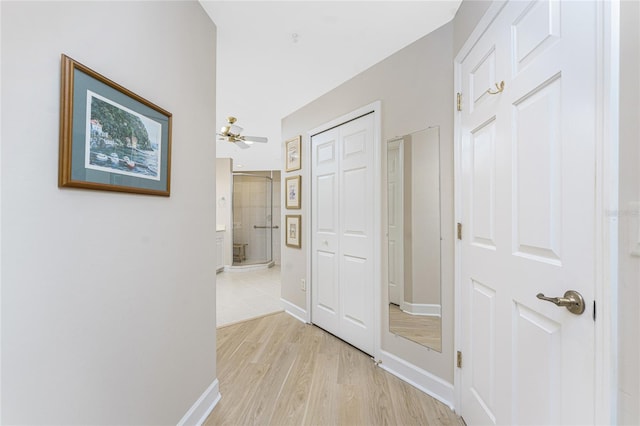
(276, 370)
(425, 330)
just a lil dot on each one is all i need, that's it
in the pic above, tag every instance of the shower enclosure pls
(253, 225)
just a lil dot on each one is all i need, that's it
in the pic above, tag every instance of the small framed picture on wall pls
(293, 186)
(292, 229)
(292, 154)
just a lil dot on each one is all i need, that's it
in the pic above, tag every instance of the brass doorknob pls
(572, 300)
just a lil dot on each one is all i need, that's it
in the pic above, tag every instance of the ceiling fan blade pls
(241, 144)
(255, 139)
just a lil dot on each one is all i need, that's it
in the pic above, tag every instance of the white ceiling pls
(274, 57)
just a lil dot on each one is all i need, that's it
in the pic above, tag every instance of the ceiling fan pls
(231, 133)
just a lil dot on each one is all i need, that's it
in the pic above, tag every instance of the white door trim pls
(606, 185)
(376, 109)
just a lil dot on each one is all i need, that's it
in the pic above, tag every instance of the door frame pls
(606, 195)
(374, 108)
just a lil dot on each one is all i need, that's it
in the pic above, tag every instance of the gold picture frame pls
(293, 186)
(293, 223)
(293, 154)
(110, 138)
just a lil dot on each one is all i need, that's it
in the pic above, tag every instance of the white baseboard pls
(423, 309)
(294, 310)
(201, 409)
(249, 267)
(418, 378)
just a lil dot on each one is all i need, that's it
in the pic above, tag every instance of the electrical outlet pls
(303, 285)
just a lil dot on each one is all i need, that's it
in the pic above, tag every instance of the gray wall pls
(108, 299)
(467, 17)
(629, 216)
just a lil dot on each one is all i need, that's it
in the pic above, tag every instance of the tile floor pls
(244, 295)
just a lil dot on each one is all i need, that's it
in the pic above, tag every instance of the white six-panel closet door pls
(342, 232)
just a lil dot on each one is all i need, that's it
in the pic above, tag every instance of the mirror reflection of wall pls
(413, 176)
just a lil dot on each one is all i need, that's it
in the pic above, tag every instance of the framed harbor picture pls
(292, 228)
(292, 154)
(110, 138)
(292, 185)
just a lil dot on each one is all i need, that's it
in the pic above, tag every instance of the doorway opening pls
(254, 230)
(249, 285)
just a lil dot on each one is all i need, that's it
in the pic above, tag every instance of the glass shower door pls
(252, 219)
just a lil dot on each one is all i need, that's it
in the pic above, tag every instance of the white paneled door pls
(527, 206)
(342, 299)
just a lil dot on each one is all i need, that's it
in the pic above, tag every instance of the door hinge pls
(459, 101)
(459, 231)
(594, 310)
(459, 360)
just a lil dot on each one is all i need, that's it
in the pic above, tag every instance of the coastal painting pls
(111, 139)
(121, 141)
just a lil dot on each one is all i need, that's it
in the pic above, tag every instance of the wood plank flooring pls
(422, 329)
(276, 370)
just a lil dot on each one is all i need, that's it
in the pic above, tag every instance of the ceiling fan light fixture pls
(231, 133)
(236, 130)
